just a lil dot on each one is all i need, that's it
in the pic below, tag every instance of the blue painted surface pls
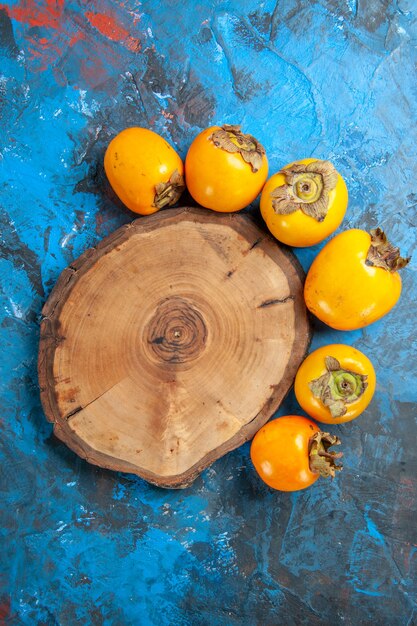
(82, 545)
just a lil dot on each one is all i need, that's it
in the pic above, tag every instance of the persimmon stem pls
(330, 455)
(383, 254)
(321, 460)
(167, 194)
(338, 387)
(307, 189)
(231, 139)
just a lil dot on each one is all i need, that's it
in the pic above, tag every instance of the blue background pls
(331, 78)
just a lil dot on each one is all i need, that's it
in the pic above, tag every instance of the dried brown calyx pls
(383, 254)
(167, 194)
(307, 189)
(338, 387)
(322, 461)
(230, 138)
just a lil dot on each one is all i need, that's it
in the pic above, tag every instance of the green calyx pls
(231, 139)
(383, 254)
(307, 189)
(167, 194)
(338, 387)
(321, 460)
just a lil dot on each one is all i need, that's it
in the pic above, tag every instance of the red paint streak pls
(44, 51)
(109, 27)
(47, 13)
(133, 44)
(75, 38)
(4, 610)
(75, 47)
(47, 48)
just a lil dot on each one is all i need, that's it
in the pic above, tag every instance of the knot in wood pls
(176, 333)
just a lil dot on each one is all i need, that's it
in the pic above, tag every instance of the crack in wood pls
(78, 409)
(256, 243)
(74, 412)
(273, 301)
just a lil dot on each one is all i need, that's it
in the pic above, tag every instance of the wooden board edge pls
(50, 337)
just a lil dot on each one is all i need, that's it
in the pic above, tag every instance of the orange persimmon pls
(304, 202)
(225, 169)
(144, 170)
(290, 453)
(354, 279)
(335, 383)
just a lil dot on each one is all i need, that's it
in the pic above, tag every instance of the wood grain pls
(171, 343)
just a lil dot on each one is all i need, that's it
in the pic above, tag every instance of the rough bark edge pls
(50, 337)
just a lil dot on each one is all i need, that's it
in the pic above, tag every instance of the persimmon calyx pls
(168, 193)
(231, 139)
(322, 461)
(338, 387)
(307, 189)
(383, 254)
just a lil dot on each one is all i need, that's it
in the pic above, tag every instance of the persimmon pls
(354, 279)
(335, 383)
(225, 169)
(304, 202)
(145, 172)
(290, 453)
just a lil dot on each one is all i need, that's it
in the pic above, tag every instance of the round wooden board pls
(171, 343)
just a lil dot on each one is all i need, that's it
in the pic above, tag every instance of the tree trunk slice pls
(171, 343)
